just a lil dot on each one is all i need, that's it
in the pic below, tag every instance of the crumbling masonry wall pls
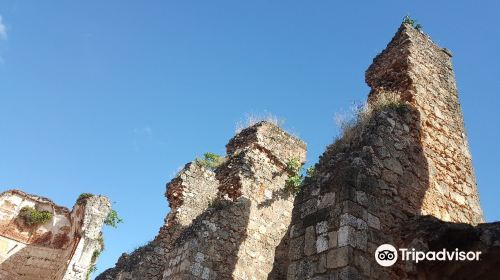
(421, 73)
(227, 223)
(407, 158)
(402, 175)
(60, 249)
(189, 194)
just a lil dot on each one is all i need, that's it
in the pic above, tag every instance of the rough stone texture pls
(415, 68)
(225, 224)
(189, 194)
(59, 249)
(369, 196)
(400, 162)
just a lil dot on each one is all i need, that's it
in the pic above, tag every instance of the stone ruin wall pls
(373, 186)
(224, 224)
(356, 198)
(61, 249)
(401, 162)
(189, 194)
(421, 72)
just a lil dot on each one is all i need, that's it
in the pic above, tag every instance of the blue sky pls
(113, 97)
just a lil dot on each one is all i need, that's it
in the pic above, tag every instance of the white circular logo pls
(386, 255)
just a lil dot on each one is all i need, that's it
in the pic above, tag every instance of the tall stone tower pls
(406, 156)
(421, 73)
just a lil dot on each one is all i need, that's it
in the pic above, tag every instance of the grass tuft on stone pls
(353, 123)
(83, 197)
(254, 118)
(211, 161)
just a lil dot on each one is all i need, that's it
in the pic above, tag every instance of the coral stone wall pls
(48, 251)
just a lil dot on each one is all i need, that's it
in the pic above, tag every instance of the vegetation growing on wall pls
(93, 261)
(82, 197)
(293, 183)
(254, 118)
(33, 217)
(211, 160)
(354, 122)
(412, 22)
(295, 169)
(310, 171)
(113, 219)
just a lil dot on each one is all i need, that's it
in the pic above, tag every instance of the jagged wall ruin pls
(224, 224)
(421, 73)
(60, 249)
(404, 159)
(407, 157)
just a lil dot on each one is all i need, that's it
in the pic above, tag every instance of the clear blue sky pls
(112, 97)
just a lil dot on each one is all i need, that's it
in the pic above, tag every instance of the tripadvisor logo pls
(387, 255)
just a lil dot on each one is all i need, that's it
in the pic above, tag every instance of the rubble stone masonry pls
(403, 160)
(421, 72)
(401, 175)
(225, 224)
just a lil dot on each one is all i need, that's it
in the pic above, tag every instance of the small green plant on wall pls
(293, 183)
(82, 197)
(211, 160)
(113, 219)
(310, 171)
(295, 169)
(33, 217)
(412, 22)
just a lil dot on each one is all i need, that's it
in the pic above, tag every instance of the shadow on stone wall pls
(142, 263)
(371, 187)
(366, 184)
(428, 233)
(25, 264)
(281, 260)
(222, 245)
(217, 235)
